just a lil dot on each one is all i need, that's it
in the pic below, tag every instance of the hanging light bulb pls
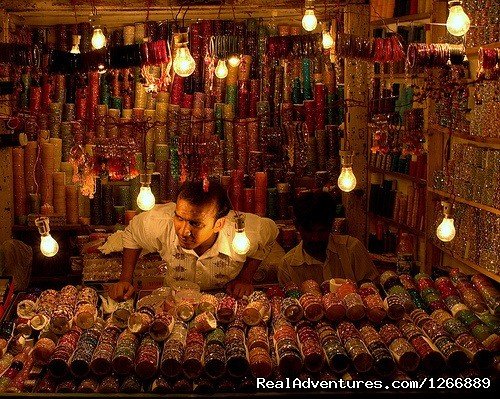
(458, 23)
(146, 198)
(98, 39)
(48, 246)
(221, 69)
(309, 20)
(446, 229)
(184, 64)
(234, 60)
(346, 180)
(76, 45)
(241, 243)
(327, 40)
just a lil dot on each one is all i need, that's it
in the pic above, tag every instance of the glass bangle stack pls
(406, 328)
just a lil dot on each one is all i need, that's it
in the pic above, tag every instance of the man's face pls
(315, 239)
(195, 225)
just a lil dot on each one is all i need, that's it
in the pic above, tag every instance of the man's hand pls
(239, 288)
(120, 290)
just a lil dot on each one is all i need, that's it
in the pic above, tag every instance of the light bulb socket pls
(42, 223)
(76, 40)
(453, 3)
(239, 223)
(447, 208)
(309, 5)
(95, 21)
(181, 39)
(145, 179)
(346, 157)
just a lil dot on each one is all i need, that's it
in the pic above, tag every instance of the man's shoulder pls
(343, 240)
(290, 258)
(252, 220)
(160, 213)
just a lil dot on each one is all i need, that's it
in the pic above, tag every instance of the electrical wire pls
(73, 3)
(184, 15)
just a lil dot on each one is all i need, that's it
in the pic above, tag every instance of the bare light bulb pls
(446, 229)
(327, 40)
(234, 60)
(221, 69)
(98, 39)
(309, 20)
(48, 245)
(146, 199)
(184, 64)
(241, 243)
(347, 180)
(458, 23)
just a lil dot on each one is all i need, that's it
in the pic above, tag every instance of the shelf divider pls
(398, 175)
(398, 225)
(401, 20)
(464, 201)
(469, 263)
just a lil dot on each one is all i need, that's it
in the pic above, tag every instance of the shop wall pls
(6, 199)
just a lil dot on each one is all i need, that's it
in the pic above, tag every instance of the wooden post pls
(435, 145)
(6, 190)
(357, 22)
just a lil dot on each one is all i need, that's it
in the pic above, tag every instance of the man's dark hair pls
(193, 192)
(314, 208)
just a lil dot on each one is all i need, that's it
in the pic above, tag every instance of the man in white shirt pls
(194, 237)
(322, 255)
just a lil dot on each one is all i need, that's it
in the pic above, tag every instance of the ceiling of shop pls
(49, 12)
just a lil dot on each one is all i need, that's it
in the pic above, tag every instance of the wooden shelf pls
(398, 175)
(464, 201)
(472, 265)
(476, 140)
(399, 76)
(384, 258)
(405, 19)
(474, 50)
(373, 125)
(66, 227)
(397, 224)
(117, 183)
